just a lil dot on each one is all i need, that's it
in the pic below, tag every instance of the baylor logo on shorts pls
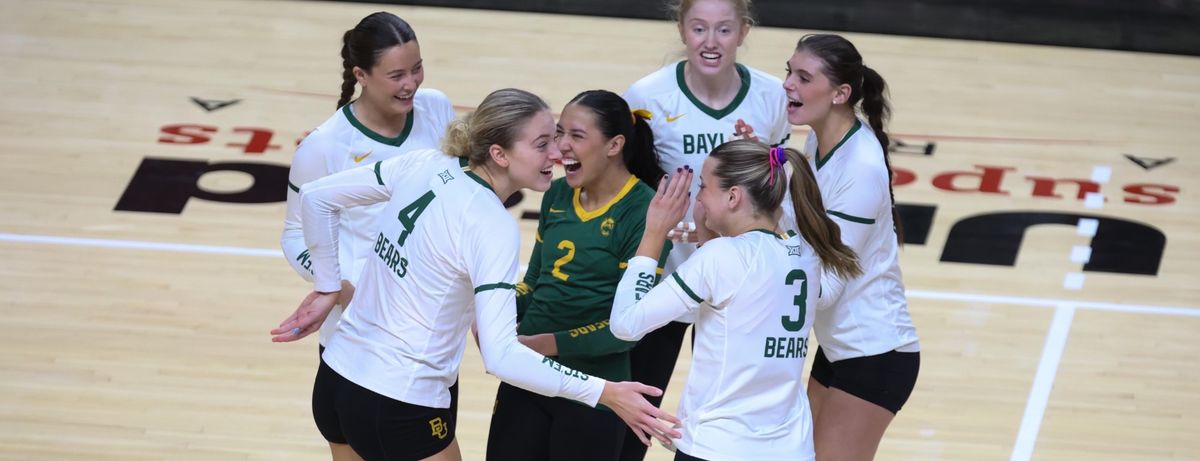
(438, 426)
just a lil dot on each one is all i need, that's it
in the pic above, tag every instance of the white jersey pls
(686, 130)
(445, 253)
(342, 143)
(867, 315)
(745, 396)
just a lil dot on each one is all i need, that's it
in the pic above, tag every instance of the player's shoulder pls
(654, 83)
(327, 135)
(719, 250)
(415, 162)
(757, 75)
(764, 84)
(430, 97)
(863, 149)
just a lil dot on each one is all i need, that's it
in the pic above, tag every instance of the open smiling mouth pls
(571, 165)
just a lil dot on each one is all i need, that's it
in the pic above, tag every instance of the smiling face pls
(586, 151)
(391, 84)
(811, 94)
(712, 30)
(532, 156)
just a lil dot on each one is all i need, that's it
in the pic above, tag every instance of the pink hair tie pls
(777, 157)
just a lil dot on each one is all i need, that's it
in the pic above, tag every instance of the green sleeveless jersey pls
(573, 274)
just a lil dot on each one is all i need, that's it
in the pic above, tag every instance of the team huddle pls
(682, 205)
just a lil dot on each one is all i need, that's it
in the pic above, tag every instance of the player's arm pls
(490, 262)
(641, 307)
(307, 165)
(321, 202)
(855, 207)
(532, 270)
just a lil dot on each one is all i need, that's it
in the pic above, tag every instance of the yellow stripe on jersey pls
(586, 216)
(623, 265)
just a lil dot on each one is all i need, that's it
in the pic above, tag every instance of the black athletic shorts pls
(886, 379)
(681, 456)
(379, 427)
(527, 426)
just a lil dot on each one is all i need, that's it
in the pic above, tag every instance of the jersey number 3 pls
(408, 216)
(558, 264)
(800, 301)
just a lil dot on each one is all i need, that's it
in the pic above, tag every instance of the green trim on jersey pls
(585, 216)
(686, 289)
(293, 187)
(378, 175)
(850, 218)
(396, 141)
(495, 286)
(821, 161)
(766, 232)
(743, 75)
(462, 161)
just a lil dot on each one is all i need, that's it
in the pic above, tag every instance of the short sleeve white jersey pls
(754, 295)
(867, 315)
(686, 130)
(340, 143)
(444, 253)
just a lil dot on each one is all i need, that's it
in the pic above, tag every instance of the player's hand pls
(626, 399)
(670, 203)
(743, 130)
(307, 318)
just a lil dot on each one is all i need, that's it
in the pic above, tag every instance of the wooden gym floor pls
(139, 335)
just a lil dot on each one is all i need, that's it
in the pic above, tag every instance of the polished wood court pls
(139, 335)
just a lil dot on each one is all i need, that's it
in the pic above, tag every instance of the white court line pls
(1048, 302)
(136, 245)
(917, 294)
(1043, 382)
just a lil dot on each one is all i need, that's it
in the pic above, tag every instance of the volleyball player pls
(866, 366)
(590, 225)
(753, 290)
(445, 254)
(391, 116)
(695, 105)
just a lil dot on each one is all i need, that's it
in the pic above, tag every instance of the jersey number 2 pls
(558, 264)
(408, 216)
(800, 301)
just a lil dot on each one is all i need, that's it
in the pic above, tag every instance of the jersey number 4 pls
(800, 301)
(408, 216)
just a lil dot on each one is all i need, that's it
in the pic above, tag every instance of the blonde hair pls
(497, 121)
(745, 163)
(679, 9)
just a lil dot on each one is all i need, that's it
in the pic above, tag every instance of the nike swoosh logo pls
(672, 119)
(552, 210)
(359, 158)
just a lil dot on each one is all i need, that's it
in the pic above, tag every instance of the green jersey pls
(573, 274)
